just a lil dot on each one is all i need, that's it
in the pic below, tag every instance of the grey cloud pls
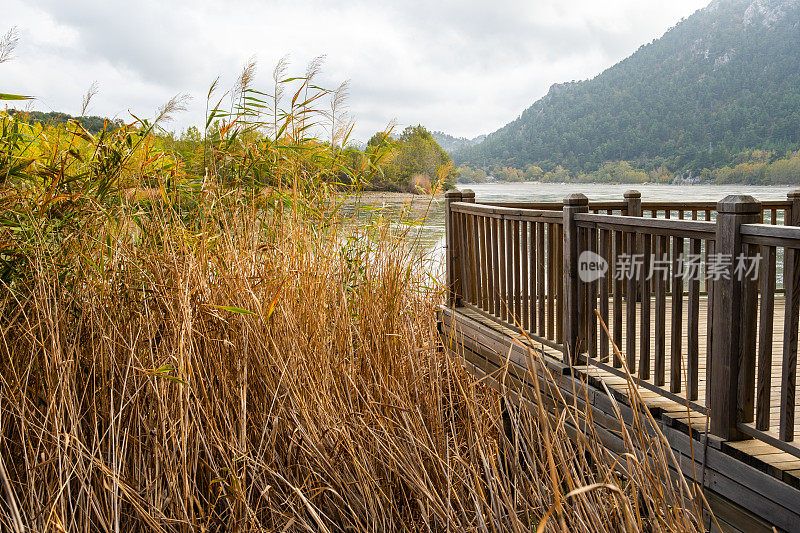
(463, 67)
(153, 39)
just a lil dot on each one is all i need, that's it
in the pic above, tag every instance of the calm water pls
(426, 215)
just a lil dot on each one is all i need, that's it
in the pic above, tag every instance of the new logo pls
(591, 266)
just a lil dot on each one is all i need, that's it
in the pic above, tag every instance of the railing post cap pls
(739, 203)
(453, 194)
(468, 193)
(633, 193)
(576, 199)
(793, 194)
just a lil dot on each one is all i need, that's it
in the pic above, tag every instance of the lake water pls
(425, 215)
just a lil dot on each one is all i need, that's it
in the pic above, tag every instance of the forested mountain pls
(92, 124)
(452, 144)
(723, 82)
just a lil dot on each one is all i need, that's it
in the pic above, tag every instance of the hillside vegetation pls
(416, 163)
(719, 86)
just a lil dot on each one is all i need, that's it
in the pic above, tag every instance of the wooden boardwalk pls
(512, 274)
(753, 474)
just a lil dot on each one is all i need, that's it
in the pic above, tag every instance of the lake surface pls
(424, 216)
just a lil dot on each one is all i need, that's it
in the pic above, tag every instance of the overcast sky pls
(465, 67)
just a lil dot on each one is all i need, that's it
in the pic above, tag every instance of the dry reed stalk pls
(201, 357)
(265, 372)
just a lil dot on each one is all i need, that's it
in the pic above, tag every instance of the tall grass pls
(220, 350)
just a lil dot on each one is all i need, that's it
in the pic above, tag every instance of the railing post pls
(794, 209)
(633, 199)
(573, 309)
(728, 357)
(451, 244)
(791, 294)
(633, 202)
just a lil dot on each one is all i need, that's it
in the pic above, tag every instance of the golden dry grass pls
(217, 350)
(250, 368)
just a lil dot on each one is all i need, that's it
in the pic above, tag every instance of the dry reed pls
(179, 353)
(254, 369)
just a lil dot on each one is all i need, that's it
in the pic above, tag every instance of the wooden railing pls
(706, 339)
(504, 262)
(772, 211)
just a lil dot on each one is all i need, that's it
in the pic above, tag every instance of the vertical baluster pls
(605, 253)
(747, 357)
(676, 380)
(551, 323)
(473, 263)
(652, 248)
(541, 278)
(517, 294)
(644, 358)
(591, 317)
(470, 245)
(525, 255)
(667, 215)
(767, 290)
(710, 247)
(583, 295)
(490, 271)
(706, 247)
(504, 273)
(693, 323)
(532, 273)
(618, 296)
(509, 255)
(485, 285)
(496, 268)
(630, 303)
(660, 282)
(463, 256)
(476, 261)
(558, 285)
(791, 285)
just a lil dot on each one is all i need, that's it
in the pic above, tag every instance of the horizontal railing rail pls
(772, 211)
(663, 278)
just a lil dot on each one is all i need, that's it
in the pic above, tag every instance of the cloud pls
(463, 67)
